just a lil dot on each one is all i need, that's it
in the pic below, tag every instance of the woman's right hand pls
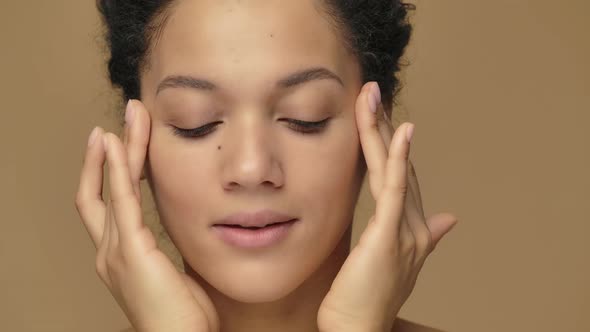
(154, 295)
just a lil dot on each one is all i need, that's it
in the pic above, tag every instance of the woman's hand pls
(380, 272)
(154, 295)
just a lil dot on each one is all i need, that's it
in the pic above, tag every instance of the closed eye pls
(303, 127)
(306, 127)
(195, 132)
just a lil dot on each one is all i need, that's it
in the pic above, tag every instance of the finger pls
(412, 235)
(413, 180)
(390, 204)
(372, 143)
(89, 203)
(386, 129)
(104, 243)
(439, 225)
(407, 229)
(387, 133)
(405, 238)
(112, 250)
(414, 201)
(385, 126)
(125, 204)
(125, 139)
(126, 144)
(420, 231)
(101, 253)
(138, 121)
(113, 232)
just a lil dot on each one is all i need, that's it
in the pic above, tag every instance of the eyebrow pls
(293, 79)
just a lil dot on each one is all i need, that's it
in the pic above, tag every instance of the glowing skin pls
(254, 159)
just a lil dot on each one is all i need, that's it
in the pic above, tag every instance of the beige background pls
(500, 95)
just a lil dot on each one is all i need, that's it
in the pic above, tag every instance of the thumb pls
(439, 225)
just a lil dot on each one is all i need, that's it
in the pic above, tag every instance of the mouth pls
(252, 237)
(254, 227)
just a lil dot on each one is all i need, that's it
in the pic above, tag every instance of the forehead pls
(256, 41)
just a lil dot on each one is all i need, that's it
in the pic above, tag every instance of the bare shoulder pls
(404, 325)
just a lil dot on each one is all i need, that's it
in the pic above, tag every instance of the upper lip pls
(259, 218)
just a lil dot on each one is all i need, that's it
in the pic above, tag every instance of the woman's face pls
(252, 159)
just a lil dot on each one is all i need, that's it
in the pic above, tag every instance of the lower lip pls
(254, 238)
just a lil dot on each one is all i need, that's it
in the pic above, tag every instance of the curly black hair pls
(375, 31)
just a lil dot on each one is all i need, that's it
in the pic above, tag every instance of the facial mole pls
(219, 147)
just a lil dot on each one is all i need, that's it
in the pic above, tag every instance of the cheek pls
(321, 179)
(328, 182)
(179, 181)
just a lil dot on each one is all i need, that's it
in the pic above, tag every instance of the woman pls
(285, 101)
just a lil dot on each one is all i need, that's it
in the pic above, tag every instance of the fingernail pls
(371, 102)
(374, 97)
(92, 136)
(377, 94)
(129, 113)
(410, 132)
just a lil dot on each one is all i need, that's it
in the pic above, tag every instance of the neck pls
(295, 312)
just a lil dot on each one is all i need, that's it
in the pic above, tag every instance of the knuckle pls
(80, 206)
(403, 189)
(400, 188)
(100, 267)
(123, 198)
(111, 262)
(408, 245)
(395, 187)
(79, 201)
(424, 241)
(396, 184)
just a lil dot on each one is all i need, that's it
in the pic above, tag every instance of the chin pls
(251, 282)
(258, 293)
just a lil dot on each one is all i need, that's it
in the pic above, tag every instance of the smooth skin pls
(148, 287)
(380, 272)
(366, 295)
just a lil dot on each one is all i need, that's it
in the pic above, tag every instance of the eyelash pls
(302, 127)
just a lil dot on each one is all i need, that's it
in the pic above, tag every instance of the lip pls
(259, 218)
(246, 238)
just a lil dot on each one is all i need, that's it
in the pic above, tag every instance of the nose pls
(249, 159)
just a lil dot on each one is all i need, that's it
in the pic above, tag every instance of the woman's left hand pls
(380, 272)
